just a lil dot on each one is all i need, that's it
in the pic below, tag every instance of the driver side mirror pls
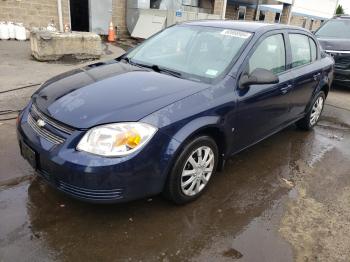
(259, 76)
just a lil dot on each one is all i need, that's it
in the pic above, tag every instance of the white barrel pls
(4, 32)
(20, 32)
(11, 28)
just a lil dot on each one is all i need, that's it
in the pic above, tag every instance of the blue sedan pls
(166, 115)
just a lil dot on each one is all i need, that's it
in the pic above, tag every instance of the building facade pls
(89, 15)
(39, 13)
(308, 14)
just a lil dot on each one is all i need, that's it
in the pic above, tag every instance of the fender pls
(199, 125)
(195, 126)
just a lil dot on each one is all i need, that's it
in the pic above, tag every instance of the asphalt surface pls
(285, 199)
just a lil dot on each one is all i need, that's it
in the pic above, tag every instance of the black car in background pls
(334, 37)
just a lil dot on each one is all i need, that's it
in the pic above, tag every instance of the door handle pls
(316, 76)
(286, 88)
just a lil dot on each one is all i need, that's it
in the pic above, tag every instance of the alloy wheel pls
(197, 171)
(316, 110)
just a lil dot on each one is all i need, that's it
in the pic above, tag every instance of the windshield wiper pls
(158, 69)
(167, 71)
(126, 59)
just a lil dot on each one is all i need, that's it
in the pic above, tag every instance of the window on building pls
(241, 12)
(270, 55)
(277, 18)
(262, 16)
(155, 4)
(300, 46)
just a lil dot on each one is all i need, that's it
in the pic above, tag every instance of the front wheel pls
(312, 117)
(192, 170)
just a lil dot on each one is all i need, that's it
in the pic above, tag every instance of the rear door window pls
(313, 48)
(270, 55)
(301, 53)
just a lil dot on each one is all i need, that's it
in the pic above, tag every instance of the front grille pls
(341, 78)
(342, 60)
(37, 114)
(91, 194)
(44, 132)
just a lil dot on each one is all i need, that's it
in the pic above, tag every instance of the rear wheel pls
(312, 117)
(192, 170)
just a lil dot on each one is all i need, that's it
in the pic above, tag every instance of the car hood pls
(336, 44)
(109, 92)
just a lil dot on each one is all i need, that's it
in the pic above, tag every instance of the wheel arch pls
(325, 88)
(209, 126)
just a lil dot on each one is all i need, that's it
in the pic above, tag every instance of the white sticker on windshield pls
(235, 33)
(211, 72)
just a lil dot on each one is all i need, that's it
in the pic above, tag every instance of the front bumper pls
(99, 179)
(342, 77)
(341, 67)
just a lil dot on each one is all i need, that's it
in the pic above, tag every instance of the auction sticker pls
(235, 33)
(211, 72)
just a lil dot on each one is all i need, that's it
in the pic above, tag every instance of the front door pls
(263, 109)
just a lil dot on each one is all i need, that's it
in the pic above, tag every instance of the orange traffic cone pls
(111, 33)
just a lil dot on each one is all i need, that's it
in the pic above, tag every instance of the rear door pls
(263, 109)
(306, 68)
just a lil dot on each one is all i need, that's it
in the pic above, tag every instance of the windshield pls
(194, 51)
(335, 28)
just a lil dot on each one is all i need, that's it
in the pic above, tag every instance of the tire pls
(310, 120)
(184, 171)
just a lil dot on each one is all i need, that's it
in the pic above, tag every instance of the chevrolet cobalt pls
(166, 115)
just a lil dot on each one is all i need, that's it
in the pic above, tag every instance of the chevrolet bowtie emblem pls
(40, 123)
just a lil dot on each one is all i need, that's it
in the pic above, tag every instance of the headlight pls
(119, 139)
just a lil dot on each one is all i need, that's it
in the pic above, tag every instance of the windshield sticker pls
(235, 33)
(211, 72)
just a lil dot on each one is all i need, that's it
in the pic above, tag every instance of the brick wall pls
(218, 6)
(231, 12)
(297, 21)
(316, 25)
(305, 22)
(119, 16)
(249, 15)
(269, 17)
(37, 13)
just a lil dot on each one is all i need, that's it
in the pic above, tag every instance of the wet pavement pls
(246, 214)
(285, 199)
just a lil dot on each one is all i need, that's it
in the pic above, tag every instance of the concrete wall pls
(37, 13)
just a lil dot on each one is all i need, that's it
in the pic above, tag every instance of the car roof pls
(248, 26)
(342, 17)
